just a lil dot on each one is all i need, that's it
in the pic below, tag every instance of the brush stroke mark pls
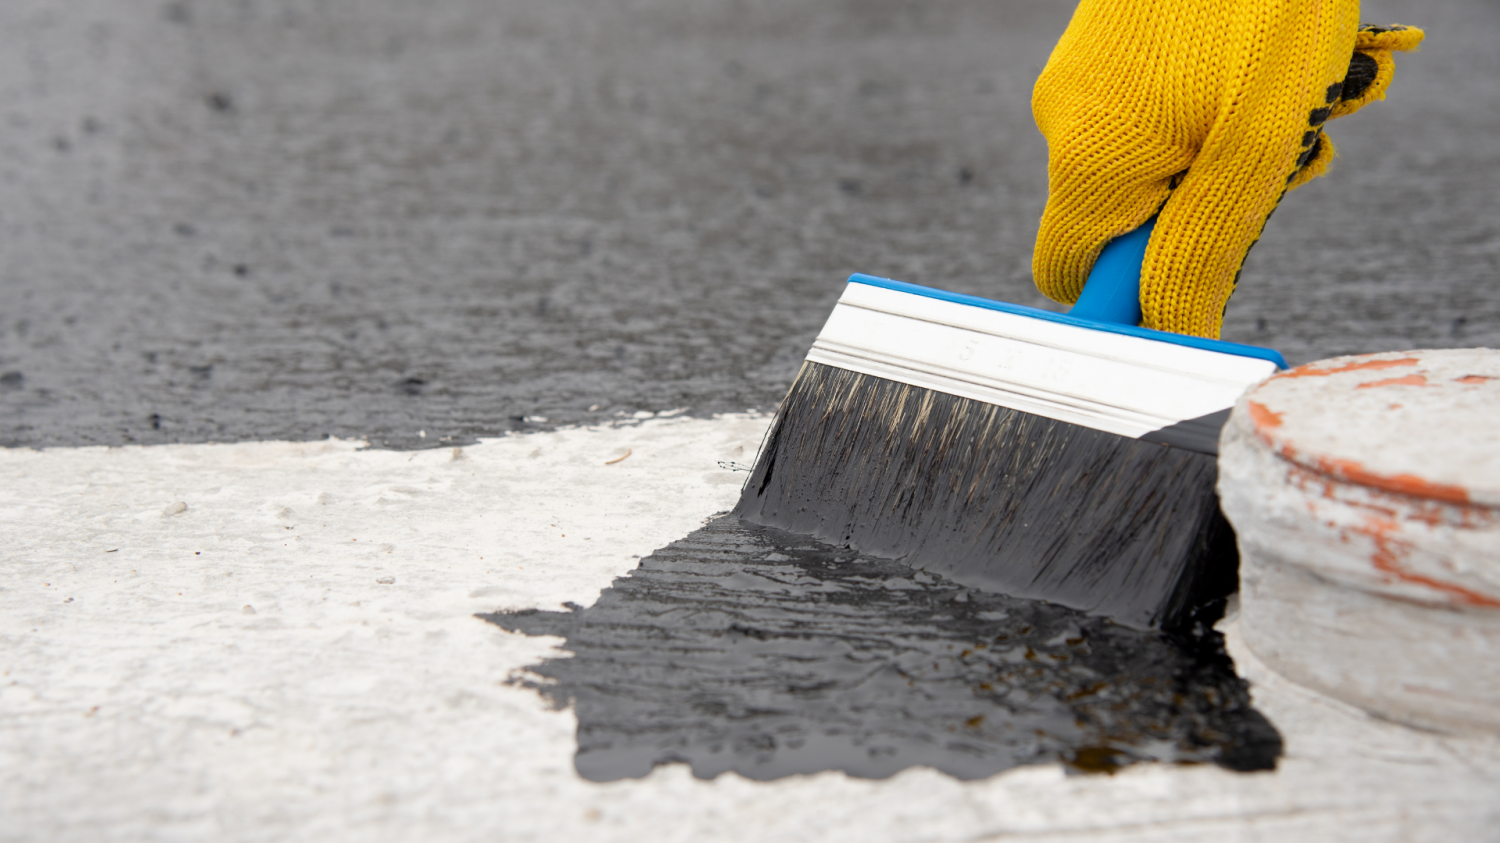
(745, 649)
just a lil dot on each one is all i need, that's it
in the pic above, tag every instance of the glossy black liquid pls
(743, 648)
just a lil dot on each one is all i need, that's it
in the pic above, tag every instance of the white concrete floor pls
(294, 656)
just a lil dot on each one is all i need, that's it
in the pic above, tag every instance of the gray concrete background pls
(265, 219)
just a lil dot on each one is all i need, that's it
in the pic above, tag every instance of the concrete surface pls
(247, 219)
(142, 700)
(416, 225)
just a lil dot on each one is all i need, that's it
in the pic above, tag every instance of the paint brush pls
(1067, 458)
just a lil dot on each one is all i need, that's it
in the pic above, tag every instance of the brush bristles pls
(995, 498)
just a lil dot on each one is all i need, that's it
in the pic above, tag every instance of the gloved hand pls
(1205, 111)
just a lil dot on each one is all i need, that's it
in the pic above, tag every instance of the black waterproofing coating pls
(747, 649)
(374, 219)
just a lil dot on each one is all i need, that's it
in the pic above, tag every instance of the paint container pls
(1365, 492)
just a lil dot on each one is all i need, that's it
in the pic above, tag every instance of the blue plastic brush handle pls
(1113, 291)
(1111, 300)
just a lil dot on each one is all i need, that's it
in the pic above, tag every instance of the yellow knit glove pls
(1205, 110)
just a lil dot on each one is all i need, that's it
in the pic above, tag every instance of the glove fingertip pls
(1317, 164)
(1395, 37)
(1055, 268)
(1370, 74)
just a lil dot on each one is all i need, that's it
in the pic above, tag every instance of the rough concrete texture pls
(141, 700)
(230, 220)
(1363, 492)
(252, 219)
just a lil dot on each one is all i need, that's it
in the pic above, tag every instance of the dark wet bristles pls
(995, 498)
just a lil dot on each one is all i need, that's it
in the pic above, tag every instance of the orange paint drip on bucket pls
(1387, 560)
(1409, 380)
(1312, 371)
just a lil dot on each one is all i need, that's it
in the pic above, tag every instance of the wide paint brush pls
(1068, 458)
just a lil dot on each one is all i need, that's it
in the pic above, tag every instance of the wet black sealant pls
(456, 218)
(746, 649)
